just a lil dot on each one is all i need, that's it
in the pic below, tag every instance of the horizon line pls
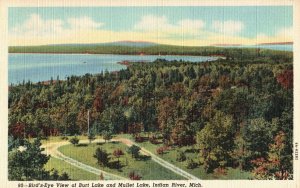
(154, 43)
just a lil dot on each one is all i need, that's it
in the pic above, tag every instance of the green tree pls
(74, 141)
(182, 133)
(276, 164)
(113, 119)
(28, 163)
(54, 175)
(258, 134)
(64, 176)
(91, 137)
(166, 116)
(134, 151)
(102, 157)
(107, 135)
(216, 141)
(240, 153)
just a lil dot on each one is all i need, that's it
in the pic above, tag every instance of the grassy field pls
(171, 154)
(73, 172)
(144, 166)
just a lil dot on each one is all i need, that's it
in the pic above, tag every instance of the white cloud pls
(38, 31)
(162, 24)
(36, 26)
(229, 27)
(83, 23)
(152, 22)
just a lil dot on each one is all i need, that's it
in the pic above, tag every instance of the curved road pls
(52, 149)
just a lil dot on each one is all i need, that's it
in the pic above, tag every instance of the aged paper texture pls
(149, 93)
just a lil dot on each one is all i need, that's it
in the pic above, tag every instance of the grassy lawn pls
(148, 169)
(171, 154)
(145, 167)
(73, 172)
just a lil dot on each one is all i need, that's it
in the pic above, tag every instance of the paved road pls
(52, 149)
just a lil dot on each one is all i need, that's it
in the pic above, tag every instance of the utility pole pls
(88, 118)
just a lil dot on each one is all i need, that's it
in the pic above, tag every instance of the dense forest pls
(237, 111)
(245, 53)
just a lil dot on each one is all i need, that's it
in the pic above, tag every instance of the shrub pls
(180, 156)
(153, 140)
(134, 151)
(118, 152)
(54, 175)
(134, 176)
(191, 164)
(64, 138)
(74, 141)
(64, 177)
(138, 138)
(220, 171)
(160, 150)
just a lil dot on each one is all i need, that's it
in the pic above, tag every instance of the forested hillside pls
(238, 111)
(159, 49)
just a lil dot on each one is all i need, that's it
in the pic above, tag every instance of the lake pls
(281, 47)
(41, 67)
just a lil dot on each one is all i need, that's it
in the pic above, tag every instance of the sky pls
(187, 26)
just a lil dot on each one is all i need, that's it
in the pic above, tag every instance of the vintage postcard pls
(149, 94)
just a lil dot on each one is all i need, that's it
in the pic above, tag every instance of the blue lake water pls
(41, 67)
(281, 47)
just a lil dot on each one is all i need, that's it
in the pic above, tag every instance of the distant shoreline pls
(215, 55)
